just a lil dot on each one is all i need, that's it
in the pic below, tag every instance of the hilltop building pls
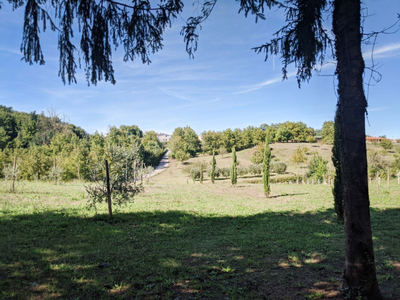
(163, 137)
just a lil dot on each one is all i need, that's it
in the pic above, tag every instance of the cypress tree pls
(234, 169)
(213, 165)
(201, 173)
(266, 167)
(337, 189)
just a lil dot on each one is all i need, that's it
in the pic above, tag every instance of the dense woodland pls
(44, 143)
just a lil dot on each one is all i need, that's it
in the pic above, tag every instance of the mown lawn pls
(186, 241)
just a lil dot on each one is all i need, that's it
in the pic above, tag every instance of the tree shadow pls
(287, 194)
(178, 254)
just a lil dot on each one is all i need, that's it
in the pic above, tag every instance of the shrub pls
(257, 157)
(217, 171)
(195, 173)
(241, 171)
(182, 156)
(311, 139)
(255, 169)
(226, 172)
(278, 167)
(377, 164)
(317, 167)
(386, 144)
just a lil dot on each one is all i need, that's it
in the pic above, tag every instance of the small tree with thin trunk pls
(266, 167)
(213, 165)
(120, 173)
(11, 173)
(56, 173)
(234, 167)
(223, 151)
(298, 157)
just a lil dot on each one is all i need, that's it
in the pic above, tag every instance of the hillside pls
(177, 173)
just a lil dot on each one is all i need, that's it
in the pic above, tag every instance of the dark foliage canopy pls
(136, 25)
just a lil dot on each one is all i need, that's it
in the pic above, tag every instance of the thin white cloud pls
(377, 109)
(388, 48)
(264, 84)
(10, 50)
(385, 51)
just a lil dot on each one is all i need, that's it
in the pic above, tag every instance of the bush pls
(317, 167)
(195, 173)
(182, 156)
(257, 157)
(217, 171)
(226, 172)
(278, 167)
(241, 171)
(255, 169)
(311, 139)
(386, 144)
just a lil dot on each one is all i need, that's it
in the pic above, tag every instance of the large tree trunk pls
(360, 275)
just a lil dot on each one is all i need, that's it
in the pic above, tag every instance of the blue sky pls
(225, 86)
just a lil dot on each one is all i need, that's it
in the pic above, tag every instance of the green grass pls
(186, 241)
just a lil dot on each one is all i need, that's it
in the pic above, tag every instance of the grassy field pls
(180, 240)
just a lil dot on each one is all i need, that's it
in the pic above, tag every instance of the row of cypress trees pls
(337, 189)
(266, 167)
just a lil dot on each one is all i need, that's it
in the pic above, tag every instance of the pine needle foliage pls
(266, 167)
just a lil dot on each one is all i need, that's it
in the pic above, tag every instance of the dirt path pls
(164, 163)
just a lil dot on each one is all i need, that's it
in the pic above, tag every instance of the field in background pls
(181, 240)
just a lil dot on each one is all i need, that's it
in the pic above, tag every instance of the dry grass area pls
(178, 172)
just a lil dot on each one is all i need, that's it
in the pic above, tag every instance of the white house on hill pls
(163, 137)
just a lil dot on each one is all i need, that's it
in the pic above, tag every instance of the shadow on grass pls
(180, 255)
(287, 194)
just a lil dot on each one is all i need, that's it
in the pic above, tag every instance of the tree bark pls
(360, 274)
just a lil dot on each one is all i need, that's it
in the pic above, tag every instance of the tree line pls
(47, 147)
(185, 143)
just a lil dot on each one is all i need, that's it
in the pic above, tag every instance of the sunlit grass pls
(185, 241)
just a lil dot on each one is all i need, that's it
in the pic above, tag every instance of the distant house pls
(371, 139)
(163, 137)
